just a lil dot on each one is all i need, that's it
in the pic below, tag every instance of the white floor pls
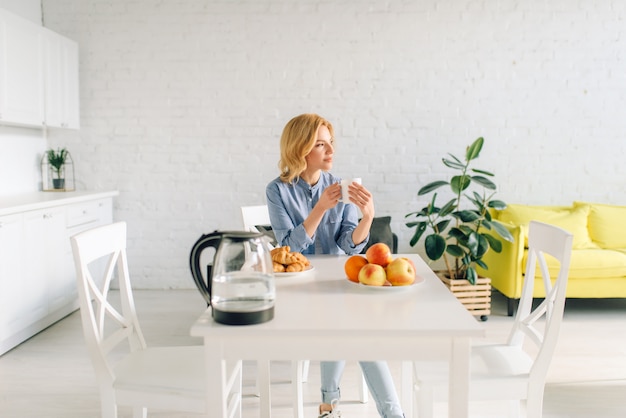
(50, 375)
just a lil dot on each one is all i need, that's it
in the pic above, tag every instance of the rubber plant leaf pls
(431, 186)
(473, 151)
(460, 183)
(435, 246)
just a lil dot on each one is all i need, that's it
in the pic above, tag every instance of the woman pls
(306, 215)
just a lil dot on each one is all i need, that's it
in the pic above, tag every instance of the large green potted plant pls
(458, 227)
(56, 159)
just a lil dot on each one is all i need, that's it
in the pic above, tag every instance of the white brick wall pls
(183, 102)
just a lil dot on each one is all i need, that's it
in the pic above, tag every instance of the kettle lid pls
(240, 235)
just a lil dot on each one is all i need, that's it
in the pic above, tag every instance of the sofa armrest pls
(505, 268)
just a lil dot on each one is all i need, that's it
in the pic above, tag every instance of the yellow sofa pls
(598, 262)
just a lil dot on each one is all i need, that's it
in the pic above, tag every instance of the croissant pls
(295, 267)
(277, 250)
(278, 268)
(302, 259)
(285, 257)
(285, 261)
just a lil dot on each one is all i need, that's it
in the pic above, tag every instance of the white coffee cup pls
(345, 197)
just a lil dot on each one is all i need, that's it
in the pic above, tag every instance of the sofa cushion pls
(607, 224)
(572, 219)
(589, 264)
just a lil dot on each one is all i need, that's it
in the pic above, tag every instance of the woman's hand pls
(361, 197)
(330, 196)
(328, 200)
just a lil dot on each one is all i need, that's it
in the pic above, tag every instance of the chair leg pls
(534, 402)
(255, 389)
(296, 384)
(514, 409)
(305, 370)
(363, 391)
(425, 401)
(237, 390)
(139, 412)
(108, 406)
(264, 388)
(233, 387)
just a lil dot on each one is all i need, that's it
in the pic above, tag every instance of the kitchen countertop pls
(41, 200)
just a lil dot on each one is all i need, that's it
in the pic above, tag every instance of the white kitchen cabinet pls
(38, 75)
(21, 71)
(44, 265)
(81, 217)
(11, 238)
(61, 81)
(37, 274)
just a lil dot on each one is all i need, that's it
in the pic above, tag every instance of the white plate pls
(417, 281)
(295, 273)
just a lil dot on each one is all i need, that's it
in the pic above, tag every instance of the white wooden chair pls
(507, 372)
(254, 215)
(259, 215)
(129, 373)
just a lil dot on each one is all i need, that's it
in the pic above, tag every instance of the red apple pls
(372, 275)
(379, 253)
(401, 272)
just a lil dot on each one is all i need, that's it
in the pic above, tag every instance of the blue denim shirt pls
(289, 204)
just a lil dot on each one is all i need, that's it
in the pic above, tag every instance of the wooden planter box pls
(476, 298)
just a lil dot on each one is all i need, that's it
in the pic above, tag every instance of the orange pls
(353, 266)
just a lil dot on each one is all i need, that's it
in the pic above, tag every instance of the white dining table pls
(320, 315)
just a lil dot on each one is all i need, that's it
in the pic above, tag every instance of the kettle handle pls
(204, 286)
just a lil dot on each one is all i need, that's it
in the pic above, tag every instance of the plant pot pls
(475, 297)
(58, 183)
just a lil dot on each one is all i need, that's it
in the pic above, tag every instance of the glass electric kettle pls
(239, 285)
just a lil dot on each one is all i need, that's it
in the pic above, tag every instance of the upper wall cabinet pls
(21, 71)
(38, 75)
(61, 81)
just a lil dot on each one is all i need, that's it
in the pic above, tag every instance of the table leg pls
(216, 394)
(407, 388)
(264, 388)
(458, 400)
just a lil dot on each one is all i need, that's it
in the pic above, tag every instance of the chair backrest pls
(543, 239)
(380, 231)
(99, 257)
(254, 215)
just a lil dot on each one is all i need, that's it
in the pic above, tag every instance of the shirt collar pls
(321, 184)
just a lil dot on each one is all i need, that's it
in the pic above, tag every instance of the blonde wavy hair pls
(297, 141)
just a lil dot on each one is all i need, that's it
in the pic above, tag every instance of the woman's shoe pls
(334, 413)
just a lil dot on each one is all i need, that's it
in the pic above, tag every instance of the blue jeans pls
(378, 379)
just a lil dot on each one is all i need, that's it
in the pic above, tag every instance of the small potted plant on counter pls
(57, 159)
